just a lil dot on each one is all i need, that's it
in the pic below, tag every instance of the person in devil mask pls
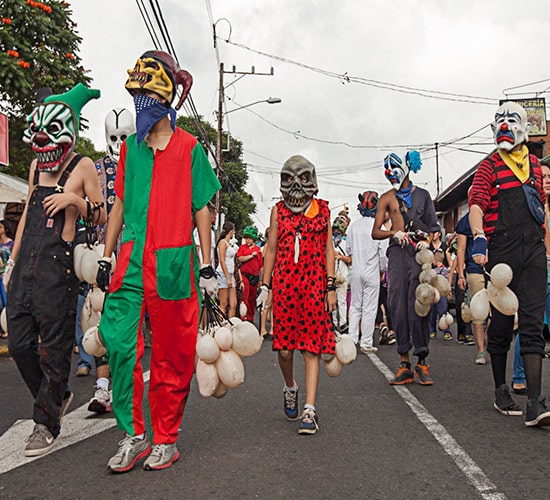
(163, 185)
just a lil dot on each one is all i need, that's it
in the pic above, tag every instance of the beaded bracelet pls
(331, 284)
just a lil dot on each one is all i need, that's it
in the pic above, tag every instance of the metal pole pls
(219, 146)
(437, 167)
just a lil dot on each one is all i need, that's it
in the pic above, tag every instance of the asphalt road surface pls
(375, 441)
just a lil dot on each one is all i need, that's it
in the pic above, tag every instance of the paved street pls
(376, 441)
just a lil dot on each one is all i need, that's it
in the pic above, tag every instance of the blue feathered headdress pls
(412, 158)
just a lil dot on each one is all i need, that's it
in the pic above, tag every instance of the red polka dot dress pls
(300, 321)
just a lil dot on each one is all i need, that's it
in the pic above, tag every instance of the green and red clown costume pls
(158, 271)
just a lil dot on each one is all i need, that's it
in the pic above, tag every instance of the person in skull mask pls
(368, 261)
(163, 183)
(506, 217)
(299, 264)
(119, 124)
(412, 216)
(42, 285)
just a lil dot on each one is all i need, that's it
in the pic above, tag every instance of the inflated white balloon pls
(207, 378)
(88, 316)
(230, 368)
(437, 296)
(78, 252)
(207, 348)
(479, 306)
(449, 319)
(346, 352)
(97, 298)
(333, 368)
(503, 299)
(421, 310)
(425, 293)
(425, 256)
(247, 340)
(442, 285)
(243, 309)
(327, 357)
(501, 275)
(427, 276)
(91, 342)
(4, 320)
(442, 324)
(466, 314)
(235, 321)
(224, 337)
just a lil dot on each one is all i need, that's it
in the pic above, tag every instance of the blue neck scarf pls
(148, 112)
(405, 195)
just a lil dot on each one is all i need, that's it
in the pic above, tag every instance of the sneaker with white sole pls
(39, 442)
(309, 423)
(101, 401)
(162, 457)
(131, 450)
(504, 402)
(537, 415)
(291, 404)
(368, 350)
(480, 358)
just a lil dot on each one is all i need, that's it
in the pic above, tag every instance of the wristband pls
(266, 285)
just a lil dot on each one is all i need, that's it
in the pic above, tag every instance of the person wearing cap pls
(368, 261)
(250, 258)
(413, 218)
(507, 219)
(42, 285)
(163, 185)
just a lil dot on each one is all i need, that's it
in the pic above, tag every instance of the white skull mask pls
(298, 183)
(510, 127)
(119, 124)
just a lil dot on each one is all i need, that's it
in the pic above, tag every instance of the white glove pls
(208, 281)
(401, 238)
(7, 273)
(422, 245)
(261, 298)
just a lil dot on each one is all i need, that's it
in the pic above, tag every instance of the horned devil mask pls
(298, 183)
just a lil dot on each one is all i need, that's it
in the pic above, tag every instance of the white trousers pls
(363, 308)
(340, 315)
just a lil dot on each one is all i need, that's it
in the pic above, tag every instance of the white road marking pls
(474, 474)
(77, 426)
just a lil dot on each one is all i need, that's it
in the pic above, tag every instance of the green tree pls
(236, 203)
(38, 48)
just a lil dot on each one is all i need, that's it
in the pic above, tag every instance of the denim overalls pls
(41, 306)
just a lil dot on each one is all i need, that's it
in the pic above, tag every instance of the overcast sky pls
(470, 48)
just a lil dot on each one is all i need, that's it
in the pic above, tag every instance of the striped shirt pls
(484, 190)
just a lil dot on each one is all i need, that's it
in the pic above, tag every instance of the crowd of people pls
(311, 280)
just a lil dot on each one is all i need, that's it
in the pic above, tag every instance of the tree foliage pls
(236, 203)
(38, 48)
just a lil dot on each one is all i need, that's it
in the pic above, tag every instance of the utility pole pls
(437, 167)
(219, 145)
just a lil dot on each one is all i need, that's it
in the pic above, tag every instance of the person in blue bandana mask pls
(413, 218)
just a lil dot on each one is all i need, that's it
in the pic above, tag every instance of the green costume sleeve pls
(205, 183)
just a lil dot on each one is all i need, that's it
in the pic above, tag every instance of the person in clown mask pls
(368, 261)
(299, 264)
(42, 285)
(412, 216)
(163, 185)
(506, 203)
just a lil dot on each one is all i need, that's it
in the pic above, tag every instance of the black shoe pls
(469, 340)
(383, 334)
(460, 339)
(504, 402)
(537, 415)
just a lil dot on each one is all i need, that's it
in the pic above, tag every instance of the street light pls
(221, 114)
(270, 100)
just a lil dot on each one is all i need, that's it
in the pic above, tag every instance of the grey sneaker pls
(504, 402)
(101, 402)
(162, 457)
(480, 358)
(537, 415)
(39, 442)
(131, 450)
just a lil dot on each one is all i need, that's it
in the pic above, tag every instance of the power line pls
(345, 78)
